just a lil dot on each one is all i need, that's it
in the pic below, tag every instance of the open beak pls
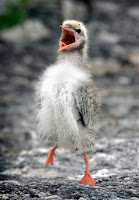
(68, 39)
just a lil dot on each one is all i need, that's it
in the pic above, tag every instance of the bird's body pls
(68, 100)
(65, 87)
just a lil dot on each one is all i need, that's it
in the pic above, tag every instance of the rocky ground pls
(114, 57)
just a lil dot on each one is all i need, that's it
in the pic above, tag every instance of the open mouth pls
(68, 39)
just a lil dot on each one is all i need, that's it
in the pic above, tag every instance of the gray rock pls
(108, 7)
(119, 52)
(30, 30)
(72, 9)
(2, 7)
(134, 12)
(53, 197)
(108, 37)
(114, 161)
(134, 57)
(101, 66)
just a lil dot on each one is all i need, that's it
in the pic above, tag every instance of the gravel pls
(114, 161)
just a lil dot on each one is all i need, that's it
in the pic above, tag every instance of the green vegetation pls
(11, 18)
(14, 14)
(51, 1)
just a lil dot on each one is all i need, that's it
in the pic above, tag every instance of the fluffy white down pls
(57, 116)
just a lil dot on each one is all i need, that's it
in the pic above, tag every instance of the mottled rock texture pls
(113, 32)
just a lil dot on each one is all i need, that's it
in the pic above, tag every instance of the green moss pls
(11, 18)
(15, 13)
(22, 2)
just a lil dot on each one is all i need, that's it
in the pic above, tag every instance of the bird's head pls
(73, 37)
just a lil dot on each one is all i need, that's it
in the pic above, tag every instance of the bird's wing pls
(87, 104)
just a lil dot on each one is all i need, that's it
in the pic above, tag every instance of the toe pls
(87, 179)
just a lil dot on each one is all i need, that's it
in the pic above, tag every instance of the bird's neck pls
(74, 57)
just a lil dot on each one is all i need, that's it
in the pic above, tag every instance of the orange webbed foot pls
(50, 157)
(87, 179)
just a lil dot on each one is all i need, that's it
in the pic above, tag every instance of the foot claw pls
(87, 179)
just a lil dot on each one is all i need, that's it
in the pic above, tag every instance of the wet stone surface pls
(114, 161)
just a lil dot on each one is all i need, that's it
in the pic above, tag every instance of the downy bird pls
(68, 101)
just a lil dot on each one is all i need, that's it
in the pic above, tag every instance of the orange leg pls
(87, 178)
(50, 156)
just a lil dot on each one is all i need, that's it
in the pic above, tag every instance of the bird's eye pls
(78, 30)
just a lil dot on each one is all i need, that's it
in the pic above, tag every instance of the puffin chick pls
(68, 101)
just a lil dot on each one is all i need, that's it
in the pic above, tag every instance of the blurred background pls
(29, 34)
